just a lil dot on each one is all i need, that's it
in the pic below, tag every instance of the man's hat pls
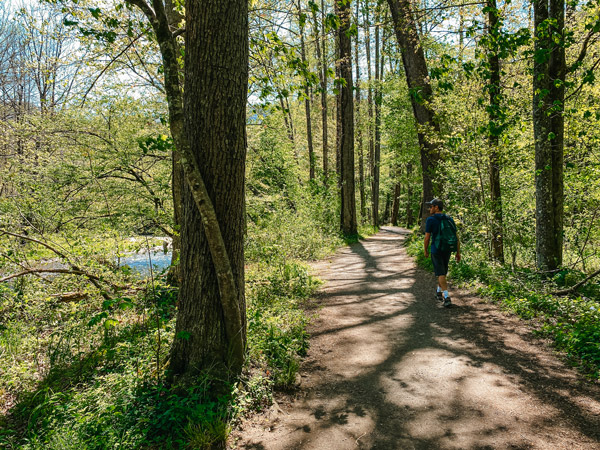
(436, 202)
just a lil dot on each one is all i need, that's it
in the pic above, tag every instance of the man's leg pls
(440, 271)
(443, 283)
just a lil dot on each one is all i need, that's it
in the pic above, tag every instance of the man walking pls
(440, 257)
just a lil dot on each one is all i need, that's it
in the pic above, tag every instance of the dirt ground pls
(390, 368)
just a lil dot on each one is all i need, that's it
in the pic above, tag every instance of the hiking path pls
(390, 368)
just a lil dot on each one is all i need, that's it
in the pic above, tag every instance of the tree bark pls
(348, 214)
(417, 77)
(210, 331)
(377, 125)
(558, 69)
(494, 130)
(309, 136)
(397, 192)
(548, 125)
(370, 133)
(321, 46)
(409, 195)
(359, 138)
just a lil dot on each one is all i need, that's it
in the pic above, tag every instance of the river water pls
(140, 262)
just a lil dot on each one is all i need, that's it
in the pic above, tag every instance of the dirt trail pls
(390, 368)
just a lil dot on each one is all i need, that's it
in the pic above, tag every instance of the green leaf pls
(110, 323)
(96, 12)
(183, 335)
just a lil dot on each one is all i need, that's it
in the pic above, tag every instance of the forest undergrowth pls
(90, 373)
(571, 322)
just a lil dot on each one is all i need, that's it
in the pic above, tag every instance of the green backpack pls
(446, 239)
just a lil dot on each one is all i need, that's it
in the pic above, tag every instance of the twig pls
(586, 240)
(360, 437)
(107, 67)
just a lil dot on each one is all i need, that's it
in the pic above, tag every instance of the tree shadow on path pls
(389, 368)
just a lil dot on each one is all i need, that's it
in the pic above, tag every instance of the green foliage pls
(103, 391)
(276, 323)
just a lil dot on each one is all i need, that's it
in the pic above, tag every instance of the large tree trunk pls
(548, 125)
(348, 215)
(175, 21)
(210, 330)
(421, 95)
(494, 117)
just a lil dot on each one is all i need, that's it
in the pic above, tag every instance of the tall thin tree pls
(495, 127)
(358, 127)
(548, 125)
(346, 116)
(307, 94)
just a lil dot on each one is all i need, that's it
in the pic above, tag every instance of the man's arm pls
(426, 244)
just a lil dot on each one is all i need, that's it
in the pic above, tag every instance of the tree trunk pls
(288, 126)
(359, 139)
(174, 275)
(548, 125)
(377, 137)
(338, 121)
(210, 330)
(320, 45)
(409, 195)
(162, 18)
(348, 215)
(288, 113)
(369, 127)
(397, 192)
(421, 95)
(494, 130)
(309, 136)
(558, 69)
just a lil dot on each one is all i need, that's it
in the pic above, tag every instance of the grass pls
(571, 322)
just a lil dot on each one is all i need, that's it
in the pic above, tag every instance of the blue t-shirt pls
(432, 226)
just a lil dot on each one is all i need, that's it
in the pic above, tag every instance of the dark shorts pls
(440, 262)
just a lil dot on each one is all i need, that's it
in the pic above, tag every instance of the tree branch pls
(92, 278)
(584, 48)
(106, 68)
(583, 83)
(577, 286)
(30, 271)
